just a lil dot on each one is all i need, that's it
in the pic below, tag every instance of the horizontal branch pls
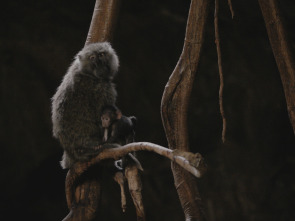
(192, 162)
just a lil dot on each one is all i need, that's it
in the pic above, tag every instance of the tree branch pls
(217, 42)
(231, 8)
(103, 21)
(281, 50)
(189, 161)
(174, 107)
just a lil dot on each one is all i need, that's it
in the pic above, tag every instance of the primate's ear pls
(119, 114)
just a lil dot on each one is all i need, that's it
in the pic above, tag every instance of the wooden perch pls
(174, 107)
(191, 162)
(281, 50)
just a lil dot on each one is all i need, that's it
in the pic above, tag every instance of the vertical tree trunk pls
(281, 50)
(103, 21)
(174, 107)
(86, 198)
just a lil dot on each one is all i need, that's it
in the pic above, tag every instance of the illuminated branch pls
(191, 162)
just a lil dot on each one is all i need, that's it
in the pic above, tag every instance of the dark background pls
(250, 177)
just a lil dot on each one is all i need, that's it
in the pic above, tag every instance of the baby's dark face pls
(105, 121)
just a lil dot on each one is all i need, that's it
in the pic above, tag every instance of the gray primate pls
(77, 104)
(117, 128)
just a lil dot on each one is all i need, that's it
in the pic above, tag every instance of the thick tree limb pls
(281, 50)
(174, 107)
(103, 21)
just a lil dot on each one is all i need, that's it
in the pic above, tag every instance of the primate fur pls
(77, 104)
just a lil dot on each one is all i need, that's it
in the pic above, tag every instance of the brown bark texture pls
(86, 196)
(103, 21)
(174, 107)
(281, 50)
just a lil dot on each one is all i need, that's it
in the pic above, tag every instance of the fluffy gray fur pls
(78, 101)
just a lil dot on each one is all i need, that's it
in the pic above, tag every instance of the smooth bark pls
(174, 107)
(103, 21)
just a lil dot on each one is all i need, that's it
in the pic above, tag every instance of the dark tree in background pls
(250, 177)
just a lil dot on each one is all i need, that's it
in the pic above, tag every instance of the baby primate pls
(77, 104)
(117, 128)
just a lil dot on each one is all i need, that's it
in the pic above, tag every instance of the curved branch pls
(191, 162)
(231, 8)
(174, 106)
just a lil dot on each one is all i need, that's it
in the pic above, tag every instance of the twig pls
(231, 8)
(217, 42)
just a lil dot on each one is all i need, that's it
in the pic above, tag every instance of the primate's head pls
(109, 114)
(99, 59)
